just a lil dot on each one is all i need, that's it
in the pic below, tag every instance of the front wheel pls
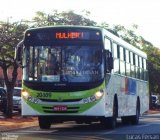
(44, 122)
(125, 120)
(110, 122)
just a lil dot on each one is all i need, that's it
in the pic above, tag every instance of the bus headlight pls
(99, 94)
(93, 98)
(25, 94)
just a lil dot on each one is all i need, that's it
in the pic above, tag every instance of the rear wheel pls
(135, 118)
(132, 119)
(44, 122)
(79, 122)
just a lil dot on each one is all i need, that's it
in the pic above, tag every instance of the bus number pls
(43, 95)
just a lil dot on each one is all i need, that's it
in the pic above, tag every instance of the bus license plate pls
(60, 108)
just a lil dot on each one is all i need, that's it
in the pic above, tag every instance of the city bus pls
(82, 74)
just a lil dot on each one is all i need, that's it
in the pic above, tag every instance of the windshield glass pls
(63, 64)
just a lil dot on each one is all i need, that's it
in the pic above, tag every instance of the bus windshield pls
(63, 64)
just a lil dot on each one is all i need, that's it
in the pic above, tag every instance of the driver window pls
(52, 62)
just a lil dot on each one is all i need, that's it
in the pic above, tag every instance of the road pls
(148, 128)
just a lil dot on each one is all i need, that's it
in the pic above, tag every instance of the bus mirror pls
(18, 52)
(109, 61)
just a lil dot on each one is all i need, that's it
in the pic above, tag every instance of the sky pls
(144, 13)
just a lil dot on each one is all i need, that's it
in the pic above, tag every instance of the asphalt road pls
(148, 128)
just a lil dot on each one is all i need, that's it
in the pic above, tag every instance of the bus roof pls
(65, 26)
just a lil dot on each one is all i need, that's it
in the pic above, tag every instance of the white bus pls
(82, 74)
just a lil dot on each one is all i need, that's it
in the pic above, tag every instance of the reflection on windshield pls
(64, 64)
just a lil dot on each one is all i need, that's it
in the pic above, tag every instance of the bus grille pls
(60, 100)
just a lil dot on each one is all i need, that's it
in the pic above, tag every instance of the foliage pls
(153, 66)
(62, 18)
(10, 35)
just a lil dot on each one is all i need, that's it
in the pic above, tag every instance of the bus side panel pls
(143, 93)
(127, 91)
(116, 86)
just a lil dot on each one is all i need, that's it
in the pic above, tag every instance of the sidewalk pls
(16, 122)
(23, 122)
(155, 111)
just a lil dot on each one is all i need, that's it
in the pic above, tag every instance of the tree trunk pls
(10, 83)
(9, 102)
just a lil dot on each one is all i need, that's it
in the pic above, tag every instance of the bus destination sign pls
(69, 35)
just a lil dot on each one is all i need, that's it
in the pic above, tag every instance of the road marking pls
(36, 131)
(148, 124)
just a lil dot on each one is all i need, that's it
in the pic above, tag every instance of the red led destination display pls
(69, 35)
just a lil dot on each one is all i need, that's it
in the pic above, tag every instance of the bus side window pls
(145, 70)
(116, 58)
(141, 68)
(128, 66)
(108, 45)
(122, 62)
(132, 59)
(137, 66)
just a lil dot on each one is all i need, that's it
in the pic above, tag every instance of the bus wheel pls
(110, 122)
(125, 120)
(44, 122)
(135, 118)
(79, 122)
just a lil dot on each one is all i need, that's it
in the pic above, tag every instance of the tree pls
(62, 18)
(129, 35)
(153, 66)
(10, 35)
(41, 19)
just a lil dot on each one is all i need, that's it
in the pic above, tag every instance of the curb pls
(152, 112)
(16, 123)
(7, 129)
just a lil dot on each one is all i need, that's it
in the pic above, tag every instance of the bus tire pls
(44, 122)
(79, 122)
(125, 120)
(110, 122)
(135, 118)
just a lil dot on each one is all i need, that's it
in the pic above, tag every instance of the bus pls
(82, 74)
